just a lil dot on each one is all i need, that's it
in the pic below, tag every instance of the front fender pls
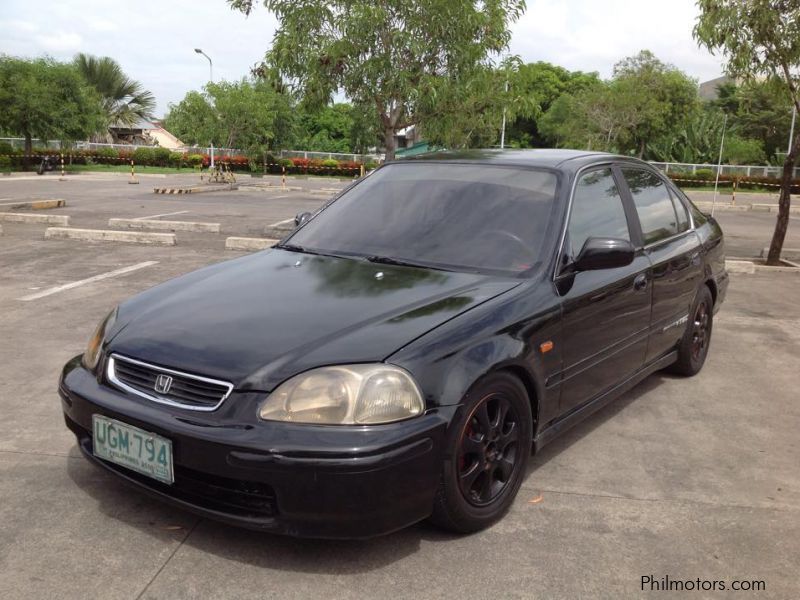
(506, 334)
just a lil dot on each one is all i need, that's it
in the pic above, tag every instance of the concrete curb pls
(164, 225)
(196, 190)
(35, 204)
(793, 210)
(101, 235)
(252, 244)
(786, 253)
(25, 218)
(749, 267)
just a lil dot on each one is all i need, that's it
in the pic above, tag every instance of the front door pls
(606, 313)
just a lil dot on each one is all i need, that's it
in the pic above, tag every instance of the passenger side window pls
(596, 210)
(680, 210)
(653, 204)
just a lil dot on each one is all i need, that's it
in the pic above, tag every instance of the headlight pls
(92, 355)
(345, 395)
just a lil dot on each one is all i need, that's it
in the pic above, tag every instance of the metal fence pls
(344, 156)
(746, 170)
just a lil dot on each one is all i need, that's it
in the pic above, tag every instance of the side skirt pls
(573, 418)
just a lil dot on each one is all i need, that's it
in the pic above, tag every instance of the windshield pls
(453, 216)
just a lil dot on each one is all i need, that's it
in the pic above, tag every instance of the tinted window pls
(653, 205)
(680, 210)
(447, 215)
(596, 210)
(699, 218)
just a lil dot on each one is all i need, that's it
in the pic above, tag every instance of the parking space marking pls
(180, 212)
(100, 277)
(279, 223)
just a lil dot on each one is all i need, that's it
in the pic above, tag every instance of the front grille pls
(166, 385)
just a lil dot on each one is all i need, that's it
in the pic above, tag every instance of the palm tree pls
(124, 100)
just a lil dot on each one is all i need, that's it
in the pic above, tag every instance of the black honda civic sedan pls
(403, 352)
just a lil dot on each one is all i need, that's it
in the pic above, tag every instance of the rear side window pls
(680, 210)
(596, 210)
(653, 204)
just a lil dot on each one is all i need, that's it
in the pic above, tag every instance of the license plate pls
(134, 448)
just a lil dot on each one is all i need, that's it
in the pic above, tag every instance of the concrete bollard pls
(283, 178)
(63, 175)
(133, 179)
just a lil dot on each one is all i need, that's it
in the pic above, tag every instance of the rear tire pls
(693, 347)
(486, 456)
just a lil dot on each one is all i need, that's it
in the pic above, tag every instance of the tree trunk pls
(389, 141)
(642, 147)
(776, 245)
(28, 151)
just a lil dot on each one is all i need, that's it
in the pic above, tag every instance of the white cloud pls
(59, 41)
(154, 40)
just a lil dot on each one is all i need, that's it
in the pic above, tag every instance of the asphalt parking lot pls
(686, 478)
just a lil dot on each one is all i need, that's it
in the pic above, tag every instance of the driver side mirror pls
(301, 218)
(604, 253)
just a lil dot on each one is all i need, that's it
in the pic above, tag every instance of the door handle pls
(640, 282)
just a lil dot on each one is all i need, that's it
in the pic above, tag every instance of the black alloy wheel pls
(487, 452)
(693, 347)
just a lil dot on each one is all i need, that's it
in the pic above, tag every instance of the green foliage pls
(124, 100)
(176, 159)
(704, 174)
(46, 99)
(764, 112)
(143, 155)
(161, 157)
(337, 128)
(250, 115)
(6, 148)
(743, 151)
(759, 38)
(541, 83)
(195, 160)
(330, 163)
(391, 56)
(285, 162)
(5, 164)
(692, 139)
(106, 153)
(641, 103)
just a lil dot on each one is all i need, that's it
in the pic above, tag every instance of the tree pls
(250, 115)
(644, 101)
(650, 97)
(124, 100)
(388, 55)
(759, 38)
(339, 127)
(543, 83)
(46, 99)
(764, 112)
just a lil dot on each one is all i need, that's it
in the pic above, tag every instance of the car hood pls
(259, 319)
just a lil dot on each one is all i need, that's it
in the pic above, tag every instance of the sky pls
(155, 41)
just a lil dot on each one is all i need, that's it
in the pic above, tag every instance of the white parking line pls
(279, 223)
(180, 212)
(74, 284)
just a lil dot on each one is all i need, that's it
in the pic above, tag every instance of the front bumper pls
(301, 480)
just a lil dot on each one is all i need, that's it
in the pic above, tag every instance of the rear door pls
(673, 249)
(606, 313)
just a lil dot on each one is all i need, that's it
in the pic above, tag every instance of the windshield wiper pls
(304, 250)
(389, 260)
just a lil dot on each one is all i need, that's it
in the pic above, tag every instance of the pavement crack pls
(34, 453)
(667, 500)
(169, 558)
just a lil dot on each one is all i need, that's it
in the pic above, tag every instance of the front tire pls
(486, 457)
(693, 347)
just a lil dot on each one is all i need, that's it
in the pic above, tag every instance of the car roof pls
(552, 158)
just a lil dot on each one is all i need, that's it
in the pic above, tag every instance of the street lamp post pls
(210, 65)
(211, 79)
